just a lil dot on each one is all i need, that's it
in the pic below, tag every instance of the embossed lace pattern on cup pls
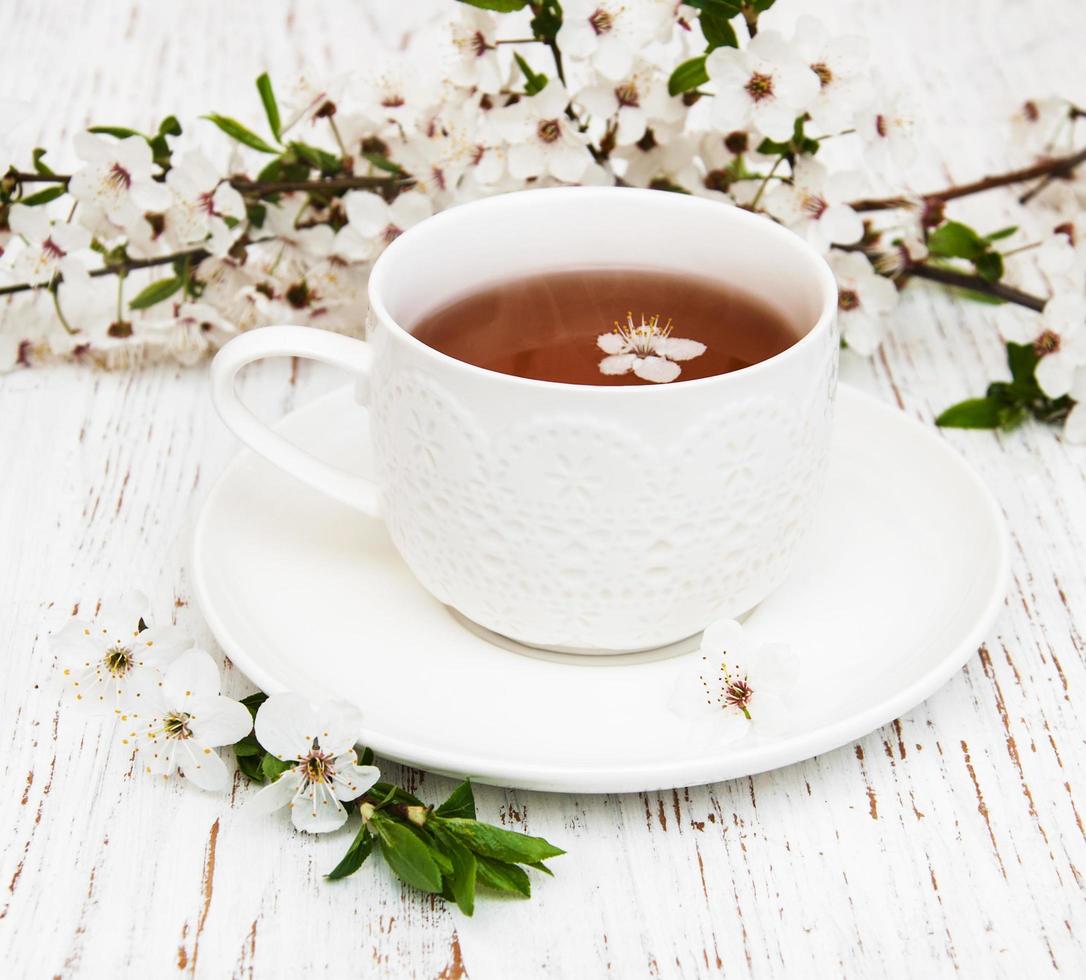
(568, 531)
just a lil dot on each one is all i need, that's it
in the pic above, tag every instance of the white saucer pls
(895, 589)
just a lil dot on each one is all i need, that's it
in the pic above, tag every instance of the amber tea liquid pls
(617, 326)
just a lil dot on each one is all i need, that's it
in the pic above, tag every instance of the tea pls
(608, 326)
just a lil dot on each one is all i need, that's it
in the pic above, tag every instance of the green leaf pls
(689, 75)
(383, 163)
(322, 160)
(464, 870)
(169, 127)
(955, 240)
(271, 108)
(160, 151)
(360, 849)
(547, 21)
(273, 768)
(989, 266)
(395, 794)
(502, 877)
(715, 25)
(534, 82)
(504, 845)
(40, 165)
(237, 131)
(121, 132)
(1022, 359)
(45, 196)
(500, 6)
(248, 746)
(540, 866)
(254, 701)
(1012, 416)
(407, 855)
(995, 236)
(461, 802)
(156, 292)
(973, 413)
(250, 765)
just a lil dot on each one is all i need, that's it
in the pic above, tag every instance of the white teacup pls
(575, 517)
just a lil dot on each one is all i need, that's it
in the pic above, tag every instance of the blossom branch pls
(259, 187)
(975, 283)
(1056, 167)
(115, 269)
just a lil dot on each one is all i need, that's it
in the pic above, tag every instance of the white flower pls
(111, 665)
(195, 330)
(202, 203)
(840, 64)
(117, 178)
(1062, 255)
(765, 85)
(476, 63)
(185, 718)
(319, 742)
(889, 134)
(647, 349)
(636, 102)
(903, 251)
(309, 99)
(1063, 337)
(381, 223)
(672, 162)
(863, 299)
(299, 247)
(814, 205)
(51, 248)
(542, 140)
(1041, 126)
(400, 92)
(610, 33)
(732, 686)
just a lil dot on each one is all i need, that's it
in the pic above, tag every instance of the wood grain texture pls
(950, 842)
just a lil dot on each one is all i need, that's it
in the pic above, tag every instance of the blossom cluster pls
(164, 696)
(704, 98)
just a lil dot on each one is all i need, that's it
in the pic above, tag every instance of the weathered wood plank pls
(950, 841)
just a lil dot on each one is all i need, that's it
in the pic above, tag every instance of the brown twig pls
(965, 280)
(115, 269)
(1056, 167)
(245, 186)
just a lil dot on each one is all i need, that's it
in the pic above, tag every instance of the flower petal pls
(678, 349)
(657, 369)
(618, 363)
(192, 675)
(341, 725)
(286, 726)
(275, 795)
(219, 720)
(1054, 374)
(318, 811)
(724, 638)
(352, 780)
(119, 614)
(201, 765)
(611, 343)
(367, 212)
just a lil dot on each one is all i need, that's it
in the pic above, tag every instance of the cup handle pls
(319, 345)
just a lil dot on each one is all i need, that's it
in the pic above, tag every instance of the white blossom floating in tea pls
(647, 349)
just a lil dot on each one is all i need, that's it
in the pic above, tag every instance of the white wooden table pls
(950, 841)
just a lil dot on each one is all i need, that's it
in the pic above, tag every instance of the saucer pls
(896, 586)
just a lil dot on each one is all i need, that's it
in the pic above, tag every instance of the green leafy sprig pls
(444, 850)
(1007, 404)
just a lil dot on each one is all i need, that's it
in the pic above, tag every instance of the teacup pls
(578, 518)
